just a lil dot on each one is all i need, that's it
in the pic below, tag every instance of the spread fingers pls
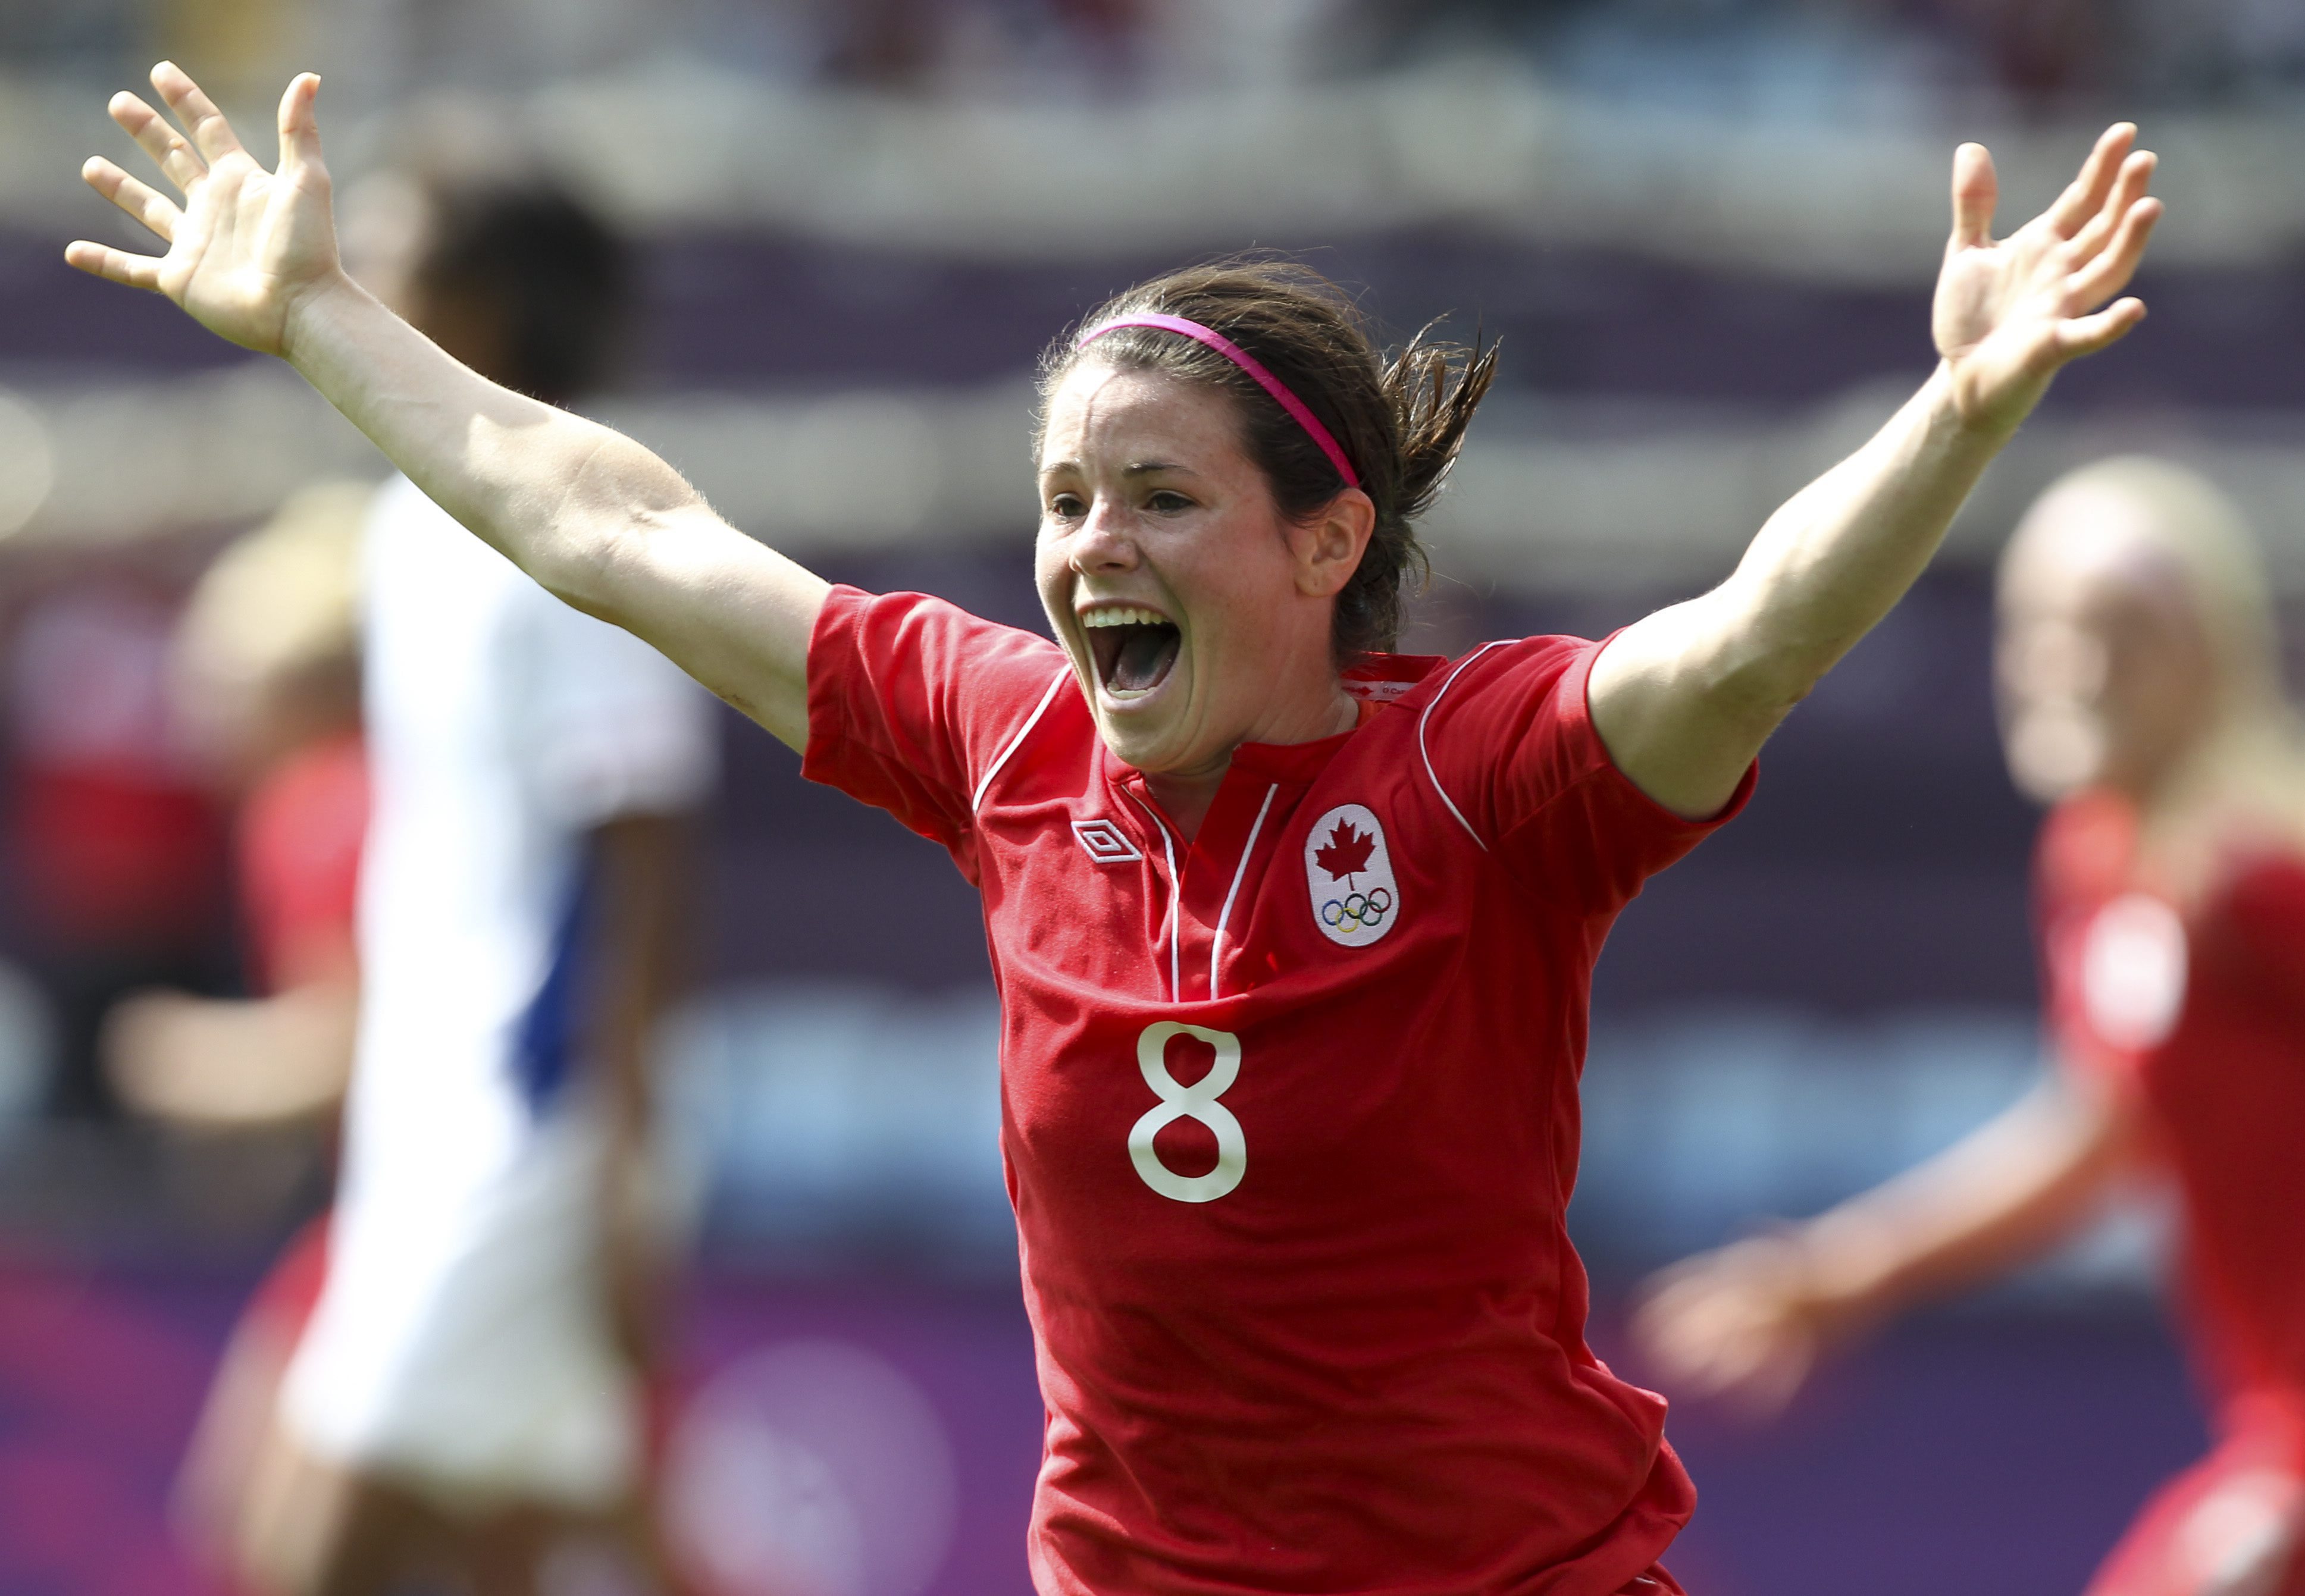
(2128, 189)
(170, 150)
(139, 200)
(212, 135)
(2109, 273)
(117, 265)
(2086, 192)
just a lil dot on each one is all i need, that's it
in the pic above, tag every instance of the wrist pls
(1965, 418)
(1955, 411)
(319, 305)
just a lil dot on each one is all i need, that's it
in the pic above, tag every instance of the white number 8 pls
(1197, 1101)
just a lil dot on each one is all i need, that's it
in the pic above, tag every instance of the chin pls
(1139, 751)
(1152, 735)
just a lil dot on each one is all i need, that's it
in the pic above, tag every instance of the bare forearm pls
(1684, 698)
(549, 489)
(594, 516)
(2002, 1196)
(1838, 556)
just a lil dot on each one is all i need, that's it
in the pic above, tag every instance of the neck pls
(1186, 796)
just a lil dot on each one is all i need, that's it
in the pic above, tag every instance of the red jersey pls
(1289, 1111)
(300, 837)
(2200, 1014)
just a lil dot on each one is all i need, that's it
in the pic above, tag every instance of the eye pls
(1067, 507)
(1167, 501)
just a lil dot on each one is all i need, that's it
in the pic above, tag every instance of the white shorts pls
(465, 1346)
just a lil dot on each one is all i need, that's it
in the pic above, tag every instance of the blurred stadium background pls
(1706, 231)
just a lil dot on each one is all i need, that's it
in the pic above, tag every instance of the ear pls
(1327, 548)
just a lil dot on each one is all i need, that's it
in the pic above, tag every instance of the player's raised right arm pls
(587, 512)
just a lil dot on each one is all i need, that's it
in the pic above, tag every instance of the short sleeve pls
(913, 704)
(613, 727)
(1510, 740)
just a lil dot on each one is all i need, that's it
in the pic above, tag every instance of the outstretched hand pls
(1738, 1324)
(2010, 312)
(246, 245)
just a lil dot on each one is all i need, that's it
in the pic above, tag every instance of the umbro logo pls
(1105, 842)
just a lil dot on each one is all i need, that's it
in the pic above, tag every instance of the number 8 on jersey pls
(1197, 1101)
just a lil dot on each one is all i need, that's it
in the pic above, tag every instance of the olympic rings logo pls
(1360, 911)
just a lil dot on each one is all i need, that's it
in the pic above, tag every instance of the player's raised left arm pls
(1684, 699)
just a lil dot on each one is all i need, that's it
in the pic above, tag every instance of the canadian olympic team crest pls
(1348, 871)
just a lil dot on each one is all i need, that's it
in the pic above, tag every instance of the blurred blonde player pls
(466, 1406)
(267, 678)
(268, 673)
(2140, 682)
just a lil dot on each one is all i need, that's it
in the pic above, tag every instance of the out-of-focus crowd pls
(113, 837)
(2040, 55)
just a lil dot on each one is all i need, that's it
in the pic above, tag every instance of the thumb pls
(1975, 190)
(300, 126)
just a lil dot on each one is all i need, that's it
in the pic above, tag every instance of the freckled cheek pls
(1050, 570)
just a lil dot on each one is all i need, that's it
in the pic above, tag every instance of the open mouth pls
(1132, 649)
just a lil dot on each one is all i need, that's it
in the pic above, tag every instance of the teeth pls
(1122, 615)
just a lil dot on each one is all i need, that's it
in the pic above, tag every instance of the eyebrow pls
(1141, 468)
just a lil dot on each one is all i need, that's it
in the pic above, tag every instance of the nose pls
(1106, 540)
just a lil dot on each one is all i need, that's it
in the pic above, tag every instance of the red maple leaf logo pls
(1347, 852)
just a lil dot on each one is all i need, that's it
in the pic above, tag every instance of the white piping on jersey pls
(1216, 947)
(1176, 893)
(1425, 753)
(1017, 741)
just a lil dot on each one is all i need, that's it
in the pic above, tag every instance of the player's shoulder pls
(1496, 696)
(2259, 891)
(1440, 686)
(898, 609)
(1490, 733)
(936, 637)
(1515, 666)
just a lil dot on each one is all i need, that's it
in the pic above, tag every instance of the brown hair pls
(1400, 421)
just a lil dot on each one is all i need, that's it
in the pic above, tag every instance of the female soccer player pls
(2142, 686)
(1293, 935)
(269, 670)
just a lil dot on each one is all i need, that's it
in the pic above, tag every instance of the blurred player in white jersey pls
(467, 1403)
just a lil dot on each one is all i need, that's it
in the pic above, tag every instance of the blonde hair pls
(2197, 528)
(280, 605)
(2247, 780)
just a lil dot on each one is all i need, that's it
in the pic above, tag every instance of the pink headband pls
(1247, 362)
